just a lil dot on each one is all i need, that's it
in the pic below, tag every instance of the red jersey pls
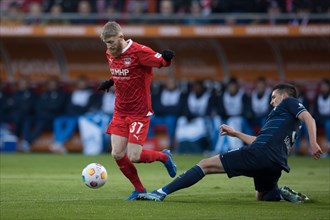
(132, 76)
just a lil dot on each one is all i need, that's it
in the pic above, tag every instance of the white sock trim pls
(161, 191)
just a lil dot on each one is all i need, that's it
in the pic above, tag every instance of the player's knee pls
(206, 166)
(134, 156)
(203, 163)
(211, 165)
(117, 155)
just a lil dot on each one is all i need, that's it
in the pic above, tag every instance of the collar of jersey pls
(129, 41)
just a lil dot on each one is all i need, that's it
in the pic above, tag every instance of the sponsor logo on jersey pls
(119, 72)
(158, 55)
(127, 61)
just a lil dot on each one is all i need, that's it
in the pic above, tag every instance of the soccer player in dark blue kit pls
(264, 157)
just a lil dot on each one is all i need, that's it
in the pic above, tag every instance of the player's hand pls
(227, 130)
(316, 150)
(168, 55)
(105, 86)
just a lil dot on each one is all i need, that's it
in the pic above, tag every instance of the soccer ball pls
(94, 175)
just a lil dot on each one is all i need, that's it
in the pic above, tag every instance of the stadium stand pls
(214, 41)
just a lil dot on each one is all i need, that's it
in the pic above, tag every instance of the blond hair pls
(110, 29)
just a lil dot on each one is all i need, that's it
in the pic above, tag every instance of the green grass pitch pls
(47, 186)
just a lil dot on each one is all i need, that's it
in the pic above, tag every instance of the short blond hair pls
(110, 29)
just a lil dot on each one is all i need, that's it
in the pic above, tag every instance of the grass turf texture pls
(46, 186)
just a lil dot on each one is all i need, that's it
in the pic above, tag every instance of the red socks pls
(149, 156)
(129, 170)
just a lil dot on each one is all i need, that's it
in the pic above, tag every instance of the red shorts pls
(134, 128)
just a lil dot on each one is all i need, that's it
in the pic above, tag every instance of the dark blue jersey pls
(279, 133)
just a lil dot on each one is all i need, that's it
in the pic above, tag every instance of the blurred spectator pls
(93, 124)
(137, 8)
(55, 12)
(274, 11)
(2, 102)
(5, 5)
(67, 6)
(26, 5)
(302, 16)
(166, 7)
(193, 126)
(14, 15)
(19, 106)
(195, 11)
(320, 6)
(7, 104)
(234, 110)
(72, 6)
(34, 13)
(102, 6)
(48, 105)
(166, 12)
(260, 104)
(218, 6)
(322, 109)
(206, 6)
(111, 11)
(66, 124)
(84, 10)
(181, 6)
(167, 107)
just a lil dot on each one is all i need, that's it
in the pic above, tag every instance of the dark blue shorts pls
(251, 162)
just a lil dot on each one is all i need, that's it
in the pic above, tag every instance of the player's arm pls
(306, 117)
(227, 130)
(150, 58)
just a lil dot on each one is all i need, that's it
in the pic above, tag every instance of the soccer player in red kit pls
(131, 73)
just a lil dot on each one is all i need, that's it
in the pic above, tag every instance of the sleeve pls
(148, 57)
(295, 107)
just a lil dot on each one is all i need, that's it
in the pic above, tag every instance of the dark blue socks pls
(186, 179)
(272, 195)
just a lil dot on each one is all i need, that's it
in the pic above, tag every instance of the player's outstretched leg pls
(170, 164)
(292, 196)
(187, 179)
